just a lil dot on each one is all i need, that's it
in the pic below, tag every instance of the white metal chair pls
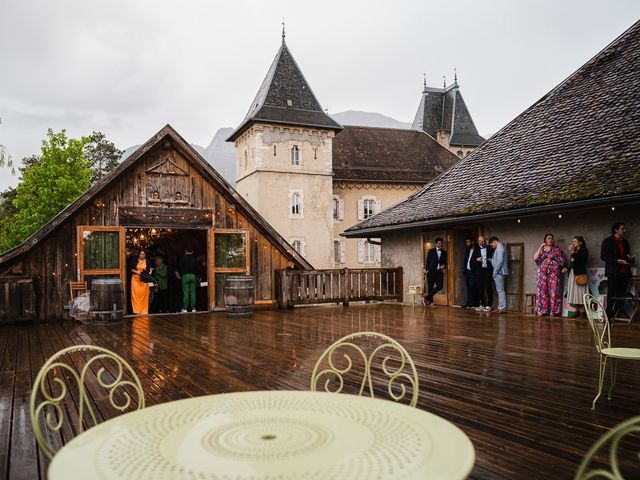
(61, 388)
(396, 366)
(615, 436)
(602, 335)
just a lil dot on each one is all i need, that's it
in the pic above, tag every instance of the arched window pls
(244, 162)
(275, 152)
(460, 153)
(178, 196)
(295, 155)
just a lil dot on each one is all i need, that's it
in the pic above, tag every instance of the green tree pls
(48, 185)
(102, 155)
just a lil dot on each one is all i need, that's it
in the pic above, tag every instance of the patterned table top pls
(270, 435)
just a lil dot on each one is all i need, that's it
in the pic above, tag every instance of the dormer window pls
(295, 155)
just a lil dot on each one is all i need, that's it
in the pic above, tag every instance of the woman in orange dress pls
(139, 289)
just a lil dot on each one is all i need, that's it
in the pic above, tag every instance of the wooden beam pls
(175, 217)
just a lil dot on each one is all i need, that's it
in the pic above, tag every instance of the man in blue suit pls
(500, 271)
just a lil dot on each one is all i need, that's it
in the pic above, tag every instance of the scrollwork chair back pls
(599, 326)
(345, 356)
(629, 429)
(60, 391)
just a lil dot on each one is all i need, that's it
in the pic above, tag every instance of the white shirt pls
(483, 253)
(439, 253)
(469, 258)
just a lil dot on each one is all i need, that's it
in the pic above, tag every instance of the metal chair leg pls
(613, 377)
(603, 367)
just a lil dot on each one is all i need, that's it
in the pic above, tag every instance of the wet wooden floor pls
(520, 387)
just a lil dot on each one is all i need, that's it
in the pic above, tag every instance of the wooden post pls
(400, 284)
(281, 288)
(345, 301)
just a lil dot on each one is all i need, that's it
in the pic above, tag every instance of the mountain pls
(222, 155)
(368, 119)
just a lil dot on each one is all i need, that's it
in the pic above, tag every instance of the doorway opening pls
(167, 246)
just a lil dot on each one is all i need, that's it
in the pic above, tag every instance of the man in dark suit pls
(617, 257)
(435, 264)
(470, 269)
(484, 275)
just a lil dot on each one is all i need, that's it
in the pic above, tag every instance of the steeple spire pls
(283, 32)
(424, 81)
(444, 81)
(455, 75)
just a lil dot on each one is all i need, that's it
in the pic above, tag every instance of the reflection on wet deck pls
(521, 388)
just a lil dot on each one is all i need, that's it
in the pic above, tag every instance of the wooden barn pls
(164, 197)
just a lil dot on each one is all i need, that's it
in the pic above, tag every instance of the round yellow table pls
(270, 435)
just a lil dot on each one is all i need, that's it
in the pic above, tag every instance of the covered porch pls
(520, 388)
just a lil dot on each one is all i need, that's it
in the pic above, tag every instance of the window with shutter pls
(360, 209)
(361, 250)
(340, 209)
(369, 205)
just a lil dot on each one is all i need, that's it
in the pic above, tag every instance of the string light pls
(559, 215)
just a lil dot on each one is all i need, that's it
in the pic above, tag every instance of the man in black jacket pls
(617, 257)
(435, 264)
(470, 269)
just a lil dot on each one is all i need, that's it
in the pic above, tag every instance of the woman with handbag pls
(578, 281)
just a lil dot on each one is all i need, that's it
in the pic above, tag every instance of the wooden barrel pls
(239, 295)
(106, 300)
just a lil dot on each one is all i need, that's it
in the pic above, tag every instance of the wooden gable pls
(126, 198)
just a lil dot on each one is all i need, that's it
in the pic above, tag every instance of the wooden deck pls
(521, 388)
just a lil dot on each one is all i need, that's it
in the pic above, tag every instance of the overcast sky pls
(128, 67)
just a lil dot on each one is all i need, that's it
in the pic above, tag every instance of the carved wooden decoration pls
(167, 182)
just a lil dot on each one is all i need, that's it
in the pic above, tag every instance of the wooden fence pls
(304, 287)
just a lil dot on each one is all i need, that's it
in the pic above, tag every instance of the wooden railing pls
(304, 287)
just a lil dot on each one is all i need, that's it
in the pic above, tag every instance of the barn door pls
(101, 252)
(228, 255)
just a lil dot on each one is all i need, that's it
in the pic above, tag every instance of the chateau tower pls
(443, 114)
(284, 160)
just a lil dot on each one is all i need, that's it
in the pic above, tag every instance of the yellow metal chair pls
(60, 389)
(602, 335)
(341, 357)
(615, 436)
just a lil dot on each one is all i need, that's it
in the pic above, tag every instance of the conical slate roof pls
(445, 109)
(285, 97)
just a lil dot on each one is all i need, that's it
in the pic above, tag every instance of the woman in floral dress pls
(550, 260)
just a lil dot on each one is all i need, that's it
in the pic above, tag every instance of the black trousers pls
(435, 282)
(485, 287)
(617, 288)
(161, 301)
(471, 279)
